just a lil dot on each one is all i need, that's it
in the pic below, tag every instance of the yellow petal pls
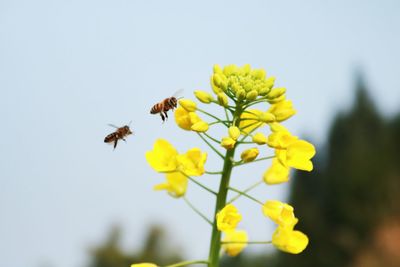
(250, 120)
(143, 265)
(231, 248)
(200, 127)
(163, 156)
(259, 139)
(289, 241)
(188, 104)
(299, 155)
(228, 218)
(176, 184)
(282, 110)
(192, 163)
(281, 213)
(277, 173)
(182, 118)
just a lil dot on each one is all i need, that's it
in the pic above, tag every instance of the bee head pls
(127, 130)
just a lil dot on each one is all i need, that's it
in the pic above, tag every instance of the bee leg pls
(166, 115)
(162, 116)
(124, 139)
(115, 143)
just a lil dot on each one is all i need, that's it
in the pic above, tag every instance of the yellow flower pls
(228, 218)
(185, 119)
(289, 241)
(188, 104)
(228, 142)
(281, 213)
(163, 156)
(203, 96)
(231, 248)
(250, 120)
(176, 184)
(281, 139)
(277, 173)
(297, 155)
(249, 154)
(259, 139)
(282, 110)
(234, 132)
(192, 163)
(200, 127)
(143, 265)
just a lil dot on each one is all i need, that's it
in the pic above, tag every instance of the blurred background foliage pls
(348, 206)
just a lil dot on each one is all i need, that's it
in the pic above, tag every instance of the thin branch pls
(196, 210)
(246, 195)
(246, 190)
(211, 146)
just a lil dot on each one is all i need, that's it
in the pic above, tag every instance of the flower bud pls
(266, 117)
(217, 68)
(249, 154)
(269, 83)
(276, 92)
(214, 87)
(222, 99)
(258, 74)
(252, 95)
(259, 139)
(188, 104)
(241, 94)
(203, 96)
(228, 142)
(234, 132)
(276, 100)
(200, 127)
(282, 110)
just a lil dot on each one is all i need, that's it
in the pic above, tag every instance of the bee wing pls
(178, 94)
(112, 125)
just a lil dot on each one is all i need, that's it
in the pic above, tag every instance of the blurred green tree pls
(351, 202)
(155, 249)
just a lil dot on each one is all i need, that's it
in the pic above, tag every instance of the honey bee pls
(120, 133)
(167, 104)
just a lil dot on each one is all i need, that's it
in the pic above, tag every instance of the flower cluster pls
(249, 102)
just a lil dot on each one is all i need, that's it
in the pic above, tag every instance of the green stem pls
(246, 195)
(196, 210)
(246, 190)
(215, 245)
(212, 138)
(248, 242)
(199, 184)
(184, 263)
(207, 172)
(211, 146)
(239, 163)
(212, 116)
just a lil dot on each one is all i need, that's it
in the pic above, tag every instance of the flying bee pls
(120, 133)
(167, 104)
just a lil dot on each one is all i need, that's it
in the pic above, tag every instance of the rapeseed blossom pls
(249, 102)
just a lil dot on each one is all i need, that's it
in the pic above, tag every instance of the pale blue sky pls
(67, 68)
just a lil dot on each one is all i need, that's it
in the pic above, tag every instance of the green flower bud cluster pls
(244, 84)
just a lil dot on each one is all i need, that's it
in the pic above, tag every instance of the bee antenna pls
(130, 123)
